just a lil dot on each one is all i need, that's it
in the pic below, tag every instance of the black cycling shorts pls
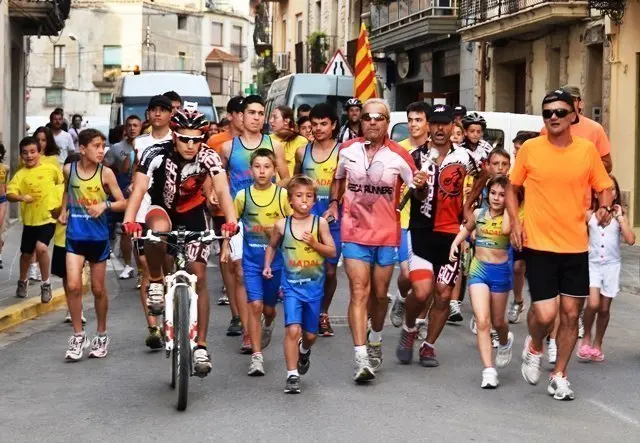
(551, 274)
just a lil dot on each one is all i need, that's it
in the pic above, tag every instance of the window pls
(214, 78)
(299, 28)
(182, 22)
(236, 42)
(105, 98)
(59, 59)
(284, 34)
(182, 57)
(216, 34)
(53, 97)
(112, 62)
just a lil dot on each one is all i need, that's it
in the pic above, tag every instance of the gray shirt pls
(117, 153)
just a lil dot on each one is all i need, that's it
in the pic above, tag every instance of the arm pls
(140, 186)
(62, 218)
(506, 223)
(517, 234)
(462, 236)
(628, 235)
(336, 192)
(479, 183)
(281, 165)
(270, 252)
(299, 157)
(607, 162)
(325, 247)
(221, 188)
(601, 182)
(109, 179)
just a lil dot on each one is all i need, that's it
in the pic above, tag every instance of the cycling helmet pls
(474, 119)
(190, 118)
(352, 102)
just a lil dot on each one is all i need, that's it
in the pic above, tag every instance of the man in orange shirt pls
(215, 142)
(557, 169)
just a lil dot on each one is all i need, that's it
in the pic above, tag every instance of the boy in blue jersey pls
(259, 206)
(305, 241)
(84, 207)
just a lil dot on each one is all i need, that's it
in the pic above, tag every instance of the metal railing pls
(478, 11)
(399, 12)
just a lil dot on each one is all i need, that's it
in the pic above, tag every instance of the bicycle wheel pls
(182, 346)
(174, 357)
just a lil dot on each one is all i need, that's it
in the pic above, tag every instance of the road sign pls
(338, 65)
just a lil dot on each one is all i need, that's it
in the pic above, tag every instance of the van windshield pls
(311, 99)
(139, 107)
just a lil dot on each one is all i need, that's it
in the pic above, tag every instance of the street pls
(126, 397)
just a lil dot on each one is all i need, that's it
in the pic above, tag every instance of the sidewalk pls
(630, 273)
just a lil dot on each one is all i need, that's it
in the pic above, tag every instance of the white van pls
(133, 92)
(502, 127)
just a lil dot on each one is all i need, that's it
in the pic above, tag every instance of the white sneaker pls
(421, 325)
(489, 379)
(363, 372)
(267, 332)
(256, 366)
(99, 346)
(77, 345)
(126, 273)
(552, 352)
(472, 326)
(560, 388)
(581, 325)
(34, 272)
(503, 356)
(531, 362)
(201, 362)
(67, 318)
(397, 311)
(495, 340)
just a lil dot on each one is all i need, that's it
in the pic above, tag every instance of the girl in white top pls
(604, 274)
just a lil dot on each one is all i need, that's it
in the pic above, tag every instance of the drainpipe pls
(483, 75)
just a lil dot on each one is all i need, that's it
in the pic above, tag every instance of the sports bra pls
(489, 231)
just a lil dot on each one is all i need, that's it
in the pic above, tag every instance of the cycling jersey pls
(372, 192)
(489, 231)
(82, 193)
(480, 153)
(322, 174)
(441, 211)
(141, 143)
(238, 165)
(347, 134)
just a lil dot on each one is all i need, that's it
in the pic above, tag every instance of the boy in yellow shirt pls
(32, 186)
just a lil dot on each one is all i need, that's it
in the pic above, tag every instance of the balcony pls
(239, 51)
(39, 17)
(402, 22)
(486, 20)
(58, 76)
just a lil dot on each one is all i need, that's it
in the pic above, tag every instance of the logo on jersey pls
(451, 179)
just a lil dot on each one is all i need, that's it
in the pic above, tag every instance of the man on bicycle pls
(180, 171)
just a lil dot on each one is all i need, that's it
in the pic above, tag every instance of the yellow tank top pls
(489, 231)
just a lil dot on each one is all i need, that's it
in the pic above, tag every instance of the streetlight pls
(73, 37)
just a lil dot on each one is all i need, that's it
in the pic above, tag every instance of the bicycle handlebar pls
(206, 236)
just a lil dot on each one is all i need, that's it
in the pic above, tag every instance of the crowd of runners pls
(444, 205)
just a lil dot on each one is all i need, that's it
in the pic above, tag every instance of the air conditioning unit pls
(596, 114)
(282, 61)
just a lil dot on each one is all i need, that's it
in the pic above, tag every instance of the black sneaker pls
(304, 360)
(235, 327)
(293, 385)
(154, 339)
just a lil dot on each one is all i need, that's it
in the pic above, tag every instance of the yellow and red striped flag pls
(365, 80)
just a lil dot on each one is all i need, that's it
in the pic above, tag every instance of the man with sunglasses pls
(558, 169)
(367, 180)
(180, 170)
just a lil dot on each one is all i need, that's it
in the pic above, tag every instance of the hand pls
(62, 218)
(55, 213)
(129, 189)
(517, 235)
(229, 229)
(132, 229)
(453, 253)
(96, 211)
(617, 211)
(603, 216)
(466, 192)
(213, 200)
(266, 272)
(309, 239)
(27, 198)
(420, 179)
(331, 211)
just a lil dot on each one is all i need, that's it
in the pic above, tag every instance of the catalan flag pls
(365, 82)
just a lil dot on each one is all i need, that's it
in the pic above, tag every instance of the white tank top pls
(604, 242)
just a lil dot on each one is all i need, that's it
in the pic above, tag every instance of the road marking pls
(616, 414)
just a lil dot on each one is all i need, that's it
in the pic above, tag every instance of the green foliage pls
(318, 43)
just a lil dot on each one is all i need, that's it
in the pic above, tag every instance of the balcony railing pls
(40, 17)
(239, 51)
(58, 76)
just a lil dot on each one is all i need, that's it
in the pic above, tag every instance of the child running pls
(84, 207)
(32, 187)
(490, 278)
(259, 207)
(305, 241)
(604, 273)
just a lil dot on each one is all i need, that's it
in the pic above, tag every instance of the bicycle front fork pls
(169, 301)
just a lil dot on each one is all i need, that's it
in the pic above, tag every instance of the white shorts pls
(236, 244)
(145, 204)
(605, 277)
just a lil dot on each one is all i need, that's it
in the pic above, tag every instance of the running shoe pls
(397, 311)
(21, 290)
(428, 356)
(67, 318)
(139, 280)
(99, 346)
(374, 351)
(495, 339)
(325, 329)
(597, 355)
(201, 361)
(581, 325)
(560, 388)
(472, 326)
(304, 360)
(552, 351)
(489, 378)
(531, 362)
(1, 265)
(504, 354)
(235, 327)
(455, 315)
(515, 312)
(77, 344)
(293, 385)
(256, 366)
(155, 298)
(404, 351)
(34, 272)
(246, 347)
(126, 273)
(421, 326)
(267, 332)
(45, 293)
(154, 339)
(584, 353)
(363, 372)
(223, 300)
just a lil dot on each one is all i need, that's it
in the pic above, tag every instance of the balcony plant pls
(318, 44)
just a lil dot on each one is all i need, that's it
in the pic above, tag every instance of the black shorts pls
(34, 234)
(218, 221)
(139, 245)
(517, 255)
(59, 262)
(93, 251)
(429, 256)
(551, 274)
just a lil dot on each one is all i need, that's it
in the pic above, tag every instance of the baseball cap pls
(235, 104)
(459, 111)
(161, 101)
(559, 95)
(441, 114)
(573, 91)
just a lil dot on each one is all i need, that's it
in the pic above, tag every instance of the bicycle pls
(181, 304)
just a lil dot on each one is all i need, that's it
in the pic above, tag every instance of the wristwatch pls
(108, 204)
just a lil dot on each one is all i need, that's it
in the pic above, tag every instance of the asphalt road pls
(126, 397)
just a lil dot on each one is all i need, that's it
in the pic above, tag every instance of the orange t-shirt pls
(592, 131)
(215, 142)
(555, 180)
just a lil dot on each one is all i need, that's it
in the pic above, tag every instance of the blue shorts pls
(262, 289)
(94, 251)
(403, 249)
(498, 277)
(302, 312)
(335, 233)
(374, 255)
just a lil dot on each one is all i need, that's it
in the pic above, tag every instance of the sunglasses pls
(374, 116)
(190, 138)
(560, 112)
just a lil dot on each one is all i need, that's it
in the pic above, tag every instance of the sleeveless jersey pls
(489, 232)
(303, 266)
(257, 223)
(322, 174)
(81, 194)
(238, 166)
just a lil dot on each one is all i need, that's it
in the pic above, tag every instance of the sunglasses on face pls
(560, 112)
(190, 138)
(374, 116)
